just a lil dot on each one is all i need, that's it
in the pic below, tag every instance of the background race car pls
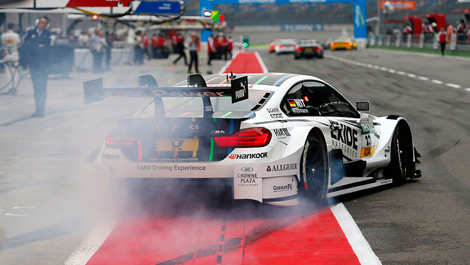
(308, 49)
(285, 46)
(270, 137)
(343, 43)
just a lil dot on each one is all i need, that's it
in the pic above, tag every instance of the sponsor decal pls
(171, 168)
(344, 137)
(386, 181)
(247, 178)
(297, 110)
(282, 188)
(367, 151)
(271, 110)
(247, 169)
(110, 157)
(218, 132)
(239, 89)
(366, 128)
(296, 103)
(281, 133)
(281, 167)
(177, 143)
(194, 128)
(276, 116)
(248, 156)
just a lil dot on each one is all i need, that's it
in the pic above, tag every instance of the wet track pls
(45, 215)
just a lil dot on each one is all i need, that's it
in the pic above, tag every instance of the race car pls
(272, 45)
(285, 46)
(308, 49)
(343, 43)
(273, 138)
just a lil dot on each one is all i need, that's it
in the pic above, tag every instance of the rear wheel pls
(401, 165)
(314, 168)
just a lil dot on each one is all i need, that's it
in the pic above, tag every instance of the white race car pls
(272, 137)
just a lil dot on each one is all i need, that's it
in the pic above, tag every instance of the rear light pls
(251, 137)
(300, 49)
(333, 44)
(317, 48)
(281, 46)
(347, 43)
(119, 142)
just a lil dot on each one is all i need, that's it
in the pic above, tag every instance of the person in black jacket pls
(180, 48)
(36, 44)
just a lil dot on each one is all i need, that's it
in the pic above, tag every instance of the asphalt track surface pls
(45, 214)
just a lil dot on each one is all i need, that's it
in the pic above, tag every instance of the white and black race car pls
(269, 136)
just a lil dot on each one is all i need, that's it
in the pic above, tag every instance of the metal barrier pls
(459, 42)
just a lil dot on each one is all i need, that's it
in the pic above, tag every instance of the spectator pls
(174, 42)
(407, 30)
(230, 47)
(434, 27)
(193, 49)
(161, 46)
(146, 45)
(210, 49)
(37, 43)
(97, 50)
(224, 43)
(218, 47)
(442, 40)
(83, 39)
(10, 42)
(180, 49)
(154, 41)
(461, 31)
(138, 48)
(450, 30)
(109, 46)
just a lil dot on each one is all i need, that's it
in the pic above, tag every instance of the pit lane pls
(421, 222)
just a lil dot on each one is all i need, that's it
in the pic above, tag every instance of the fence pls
(423, 41)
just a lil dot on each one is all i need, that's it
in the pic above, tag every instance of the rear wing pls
(93, 91)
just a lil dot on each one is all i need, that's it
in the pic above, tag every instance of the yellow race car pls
(343, 43)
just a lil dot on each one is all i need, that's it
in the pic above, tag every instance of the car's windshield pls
(314, 98)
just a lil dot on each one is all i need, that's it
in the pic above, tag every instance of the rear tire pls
(314, 168)
(401, 165)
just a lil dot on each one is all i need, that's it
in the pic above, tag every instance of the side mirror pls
(363, 106)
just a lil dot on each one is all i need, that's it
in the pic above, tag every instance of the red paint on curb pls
(245, 63)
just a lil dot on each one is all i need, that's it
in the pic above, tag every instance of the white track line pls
(90, 245)
(393, 71)
(453, 85)
(265, 69)
(359, 244)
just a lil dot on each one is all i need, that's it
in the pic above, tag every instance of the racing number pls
(368, 150)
